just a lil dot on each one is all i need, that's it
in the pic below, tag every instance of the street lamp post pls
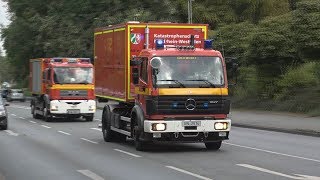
(190, 11)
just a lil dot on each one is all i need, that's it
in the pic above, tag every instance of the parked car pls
(3, 115)
(16, 95)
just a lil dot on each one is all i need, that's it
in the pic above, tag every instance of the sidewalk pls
(273, 121)
(277, 121)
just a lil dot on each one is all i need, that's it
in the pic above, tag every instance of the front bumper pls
(175, 131)
(78, 106)
(177, 126)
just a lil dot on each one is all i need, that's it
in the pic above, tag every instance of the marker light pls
(174, 104)
(208, 44)
(206, 105)
(159, 44)
(158, 126)
(221, 125)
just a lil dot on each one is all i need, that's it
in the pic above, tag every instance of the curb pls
(291, 131)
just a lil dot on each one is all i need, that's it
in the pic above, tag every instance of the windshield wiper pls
(203, 80)
(173, 80)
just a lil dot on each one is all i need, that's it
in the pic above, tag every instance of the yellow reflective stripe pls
(120, 29)
(193, 91)
(128, 66)
(113, 98)
(108, 31)
(71, 86)
(97, 33)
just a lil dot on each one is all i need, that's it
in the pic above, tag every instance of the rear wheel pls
(108, 134)
(213, 145)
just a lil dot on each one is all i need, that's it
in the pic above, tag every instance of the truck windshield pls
(72, 75)
(192, 71)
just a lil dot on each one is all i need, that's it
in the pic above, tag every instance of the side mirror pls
(135, 76)
(156, 62)
(232, 68)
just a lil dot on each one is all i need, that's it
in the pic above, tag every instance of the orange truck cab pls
(62, 87)
(169, 83)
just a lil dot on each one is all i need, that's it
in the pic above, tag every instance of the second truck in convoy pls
(167, 81)
(62, 87)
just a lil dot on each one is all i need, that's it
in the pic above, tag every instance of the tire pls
(34, 115)
(213, 145)
(108, 134)
(139, 145)
(89, 118)
(4, 127)
(46, 115)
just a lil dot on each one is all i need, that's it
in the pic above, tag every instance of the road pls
(74, 150)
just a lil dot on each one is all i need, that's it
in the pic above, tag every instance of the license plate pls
(73, 111)
(221, 134)
(191, 123)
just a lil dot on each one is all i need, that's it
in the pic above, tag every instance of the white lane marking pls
(46, 126)
(64, 133)
(22, 118)
(128, 153)
(90, 174)
(13, 115)
(11, 133)
(97, 119)
(33, 122)
(89, 140)
(189, 173)
(272, 152)
(97, 129)
(299, 176)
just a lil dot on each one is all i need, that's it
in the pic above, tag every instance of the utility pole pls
(190, 11)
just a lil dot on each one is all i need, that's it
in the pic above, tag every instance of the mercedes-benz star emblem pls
(190, 104)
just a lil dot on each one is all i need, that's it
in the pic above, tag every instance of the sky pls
(3, 19)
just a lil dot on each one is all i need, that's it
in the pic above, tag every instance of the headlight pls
(92, 108)
(2, 113)
(221, 125)
(54, 108)
(159, 126)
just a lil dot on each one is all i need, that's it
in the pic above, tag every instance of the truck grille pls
(188, 105)
(73, 93)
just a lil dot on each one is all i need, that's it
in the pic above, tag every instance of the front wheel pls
(34, 115)
(139, 145)
(46, 115)
(213, 145)
(4, 127)
(89, 118)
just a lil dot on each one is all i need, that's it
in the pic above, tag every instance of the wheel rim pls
(45, 112)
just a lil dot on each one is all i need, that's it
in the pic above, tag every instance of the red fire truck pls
(62, 87)
(167, 81)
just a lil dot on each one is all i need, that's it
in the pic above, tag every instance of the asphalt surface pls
(74, 149)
